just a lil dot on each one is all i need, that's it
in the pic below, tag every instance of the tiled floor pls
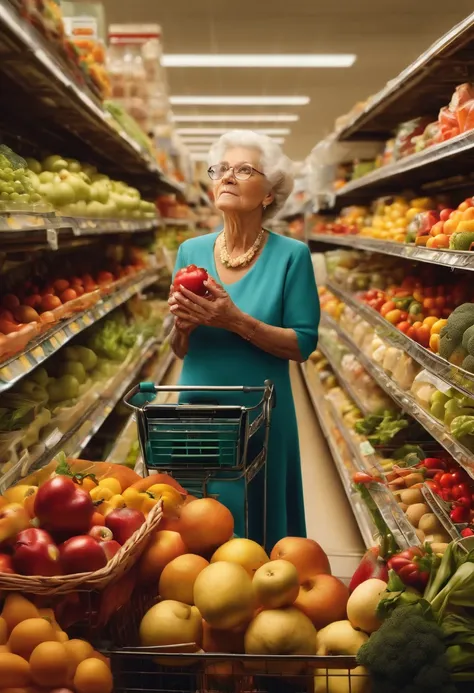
(329, 518)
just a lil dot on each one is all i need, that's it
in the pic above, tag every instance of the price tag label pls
(52, 238)
(87, 319)
(6, 374)
(24, 363)
(74, 327)
(37, 353)
(366, 448)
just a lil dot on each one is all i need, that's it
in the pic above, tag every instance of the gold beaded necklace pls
(241, 260)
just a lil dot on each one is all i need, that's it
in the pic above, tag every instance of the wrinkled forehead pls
(240, 155)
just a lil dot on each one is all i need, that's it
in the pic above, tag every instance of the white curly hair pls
(276, 166)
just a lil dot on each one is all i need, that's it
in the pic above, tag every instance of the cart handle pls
(148, 387)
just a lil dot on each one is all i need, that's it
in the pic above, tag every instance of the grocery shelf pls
(118, 454)
(361, 514)
(340, 377)
(45, 345)
(393, 516)
(455, 259)
(54, 229)
(453, 376)
(75, 439)
(421, 89)
(404, 400)
(181, 223)
(36, 78)
(440, 509)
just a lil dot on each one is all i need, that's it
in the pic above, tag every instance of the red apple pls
(101, 534)
(35, 553)
(110, 548)
(81, 554)
(124, 522)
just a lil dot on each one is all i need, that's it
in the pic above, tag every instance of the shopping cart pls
(202, 443)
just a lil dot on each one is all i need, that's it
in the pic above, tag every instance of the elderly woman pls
(261, 312)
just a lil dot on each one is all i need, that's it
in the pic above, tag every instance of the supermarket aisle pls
(329, 517)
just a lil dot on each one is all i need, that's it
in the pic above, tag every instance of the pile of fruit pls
(36, 654)
(75, 522)
(79, 190)
(351, 221)
(35, 303)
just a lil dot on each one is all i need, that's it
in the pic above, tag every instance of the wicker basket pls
(93, 581)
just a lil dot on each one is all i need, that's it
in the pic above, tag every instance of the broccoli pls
(407, 654)
(468, 363)
(451, 336)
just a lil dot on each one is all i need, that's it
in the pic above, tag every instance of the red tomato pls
(35, 553)
(81, 554)
(423, 335)
(387, 307)
(447, 480)
(62, 507)
(192, 278)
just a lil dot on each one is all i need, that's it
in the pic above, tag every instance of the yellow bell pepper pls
(112, 484)
(172, 499)
(133, 498)
(117, 501)
(101, 495)
(149, 501)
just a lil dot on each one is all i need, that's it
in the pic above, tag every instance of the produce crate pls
(158, 670)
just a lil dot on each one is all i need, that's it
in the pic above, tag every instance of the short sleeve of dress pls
(301, 302)
(180, 261)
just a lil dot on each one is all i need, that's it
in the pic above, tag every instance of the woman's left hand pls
(215, 310)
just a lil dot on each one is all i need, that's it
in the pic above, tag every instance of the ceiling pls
(386, 35)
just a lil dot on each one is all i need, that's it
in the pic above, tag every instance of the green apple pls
(34, 165)
(87, 357)
(73, 165)
(40, 376)
(33, 390)
(54, 163)
(63, 388)
(74, 368)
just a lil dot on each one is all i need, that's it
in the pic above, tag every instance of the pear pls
(74, 368)
(73, 165)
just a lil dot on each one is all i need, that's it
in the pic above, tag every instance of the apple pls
(101, 534)
(81, 554)
(74, 368)
(35, 553)
(13, 519)
(110, 548)
(124, 522)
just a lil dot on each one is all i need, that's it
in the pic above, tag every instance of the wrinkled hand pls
(215, 310)
(181, 325)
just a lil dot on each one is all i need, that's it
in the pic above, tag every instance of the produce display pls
(40, 296)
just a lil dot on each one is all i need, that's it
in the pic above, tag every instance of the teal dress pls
(280, 290)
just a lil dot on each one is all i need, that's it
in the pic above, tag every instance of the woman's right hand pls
(181, 325)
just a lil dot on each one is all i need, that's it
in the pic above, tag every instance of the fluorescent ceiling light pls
(195, 141)
(259, 60)
(247, 118)
(222, 131)
(239, 100)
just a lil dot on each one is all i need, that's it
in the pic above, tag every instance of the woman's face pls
(232, 195)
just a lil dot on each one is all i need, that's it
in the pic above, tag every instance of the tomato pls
(447, 480)
(460, 514)
(404, 326)
(412, 567)
(393, 316)
(61, 506)
(387, 307)
(461, 490)
(35, 553)
(423, 336)
(81, 554)
(191, 278)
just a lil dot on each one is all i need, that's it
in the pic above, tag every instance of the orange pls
(93, 676)
(51, 665)
(78, 650)
(14, 671)
(16, 609)
(27, 635)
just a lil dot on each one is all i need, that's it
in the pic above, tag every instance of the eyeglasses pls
(241, 172)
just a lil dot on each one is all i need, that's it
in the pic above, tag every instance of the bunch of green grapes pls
(16, 188)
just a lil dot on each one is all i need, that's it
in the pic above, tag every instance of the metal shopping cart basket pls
(146, 670)
(205, 442)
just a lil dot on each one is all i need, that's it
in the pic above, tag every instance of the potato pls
(420, 535)
(411, 496)
(430, 524)
(415, 512)
(412, 479)
(439, 548)
(403, 507)
(438, 538)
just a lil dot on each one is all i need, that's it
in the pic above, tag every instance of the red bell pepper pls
(371, 566)
(412, 566)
